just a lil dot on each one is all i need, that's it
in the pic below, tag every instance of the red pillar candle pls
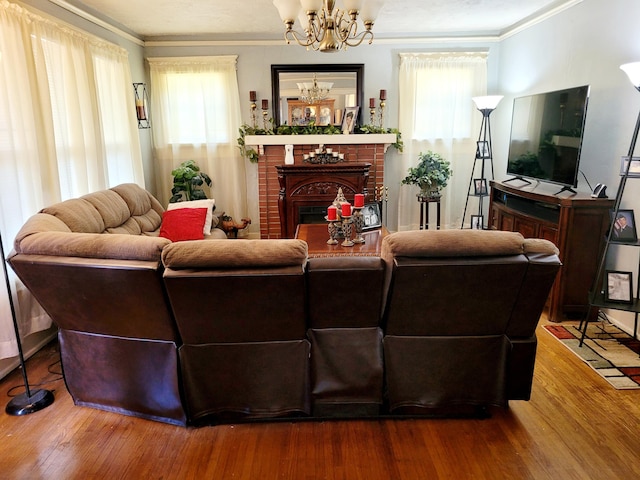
(358, 200)
(252, 96)
(332, 213)
(346, 209)
(383, 94)
(372, 103)
(265, 104)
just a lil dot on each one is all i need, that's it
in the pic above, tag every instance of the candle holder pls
(265, 120)
(372, 114)
(254, 118)
(381, 113)
(333, 232)
(346, 231)
(358, 224)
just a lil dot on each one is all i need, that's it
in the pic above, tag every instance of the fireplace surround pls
(357, 149)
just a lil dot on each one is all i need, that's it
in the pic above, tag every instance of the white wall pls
(585, 44)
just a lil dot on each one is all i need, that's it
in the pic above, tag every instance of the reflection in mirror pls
(315, 94)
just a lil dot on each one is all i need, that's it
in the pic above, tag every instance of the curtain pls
(67, 128)
(437, 114)
(195, 115)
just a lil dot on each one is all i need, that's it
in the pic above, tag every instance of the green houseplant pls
(187, 182)
(431, 174)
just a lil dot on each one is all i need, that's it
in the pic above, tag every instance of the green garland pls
(310, 129)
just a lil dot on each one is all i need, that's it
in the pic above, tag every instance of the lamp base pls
(23, 404)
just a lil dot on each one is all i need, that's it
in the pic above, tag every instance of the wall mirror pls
(289, 106)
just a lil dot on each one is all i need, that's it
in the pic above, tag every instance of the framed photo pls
(371, 216)
(482, 151)
(480, 186)
(349, 119)
(618, 287)
(477, 222)
(634, 169)
(624, 226)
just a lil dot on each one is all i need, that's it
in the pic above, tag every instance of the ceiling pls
(259, 19)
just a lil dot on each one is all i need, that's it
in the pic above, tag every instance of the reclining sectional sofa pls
(210, 331)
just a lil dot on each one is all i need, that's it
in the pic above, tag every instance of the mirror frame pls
(276, 70)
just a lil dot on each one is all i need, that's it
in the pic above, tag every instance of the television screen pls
(546, 136)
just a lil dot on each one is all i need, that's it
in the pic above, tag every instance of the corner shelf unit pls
(597, 298)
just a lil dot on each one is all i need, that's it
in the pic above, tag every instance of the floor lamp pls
(31, 400)
(484, 153)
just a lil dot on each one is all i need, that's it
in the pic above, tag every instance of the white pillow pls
(206, 203)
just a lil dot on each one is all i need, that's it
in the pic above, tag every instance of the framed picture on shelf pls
(634, 169)
(480, 186)
(624, 226)
(483, 149)
(371, 216)
(618, 286)
(349, 119)
(477, 222)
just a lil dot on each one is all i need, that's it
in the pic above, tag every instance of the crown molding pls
(98, 21)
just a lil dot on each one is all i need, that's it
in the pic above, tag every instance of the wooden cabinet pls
(576, 224)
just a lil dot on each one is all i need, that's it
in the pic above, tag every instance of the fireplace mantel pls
(260, 141)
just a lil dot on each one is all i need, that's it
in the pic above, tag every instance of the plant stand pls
(425, 200)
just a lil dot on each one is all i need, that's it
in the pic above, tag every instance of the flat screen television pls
(546, 136)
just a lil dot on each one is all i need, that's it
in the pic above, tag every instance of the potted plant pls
(187, 182)
(431, 175)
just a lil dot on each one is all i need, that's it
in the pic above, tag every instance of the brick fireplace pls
(357, 149)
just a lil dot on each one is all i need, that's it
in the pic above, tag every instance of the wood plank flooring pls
(575, 427)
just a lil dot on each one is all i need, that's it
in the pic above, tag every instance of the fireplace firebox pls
(307, 190)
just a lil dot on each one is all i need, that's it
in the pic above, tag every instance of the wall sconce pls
(142, 105)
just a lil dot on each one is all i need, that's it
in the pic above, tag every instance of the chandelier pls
(326, 27)
(314, 92)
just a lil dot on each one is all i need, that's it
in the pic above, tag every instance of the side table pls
(424, 211)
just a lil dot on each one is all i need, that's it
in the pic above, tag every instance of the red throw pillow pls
(183, 224)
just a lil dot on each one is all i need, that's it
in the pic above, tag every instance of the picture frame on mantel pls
(349, 120)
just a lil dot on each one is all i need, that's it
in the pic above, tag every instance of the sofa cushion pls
(183, 224)
(78, 214)
(235, 254)
(144, 209)
(452, 243)
(209, 204)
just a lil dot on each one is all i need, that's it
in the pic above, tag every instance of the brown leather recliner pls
(240, 310)
(93, 264)
(460, 316)
(345, 299)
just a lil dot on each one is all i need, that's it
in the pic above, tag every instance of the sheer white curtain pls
(195, 115)
(67, 127)
(437, 114)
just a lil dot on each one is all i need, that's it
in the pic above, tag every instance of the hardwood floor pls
(575, 427)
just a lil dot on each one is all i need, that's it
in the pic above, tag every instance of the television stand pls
(566, 189)
(576, 224)
(522, 179)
